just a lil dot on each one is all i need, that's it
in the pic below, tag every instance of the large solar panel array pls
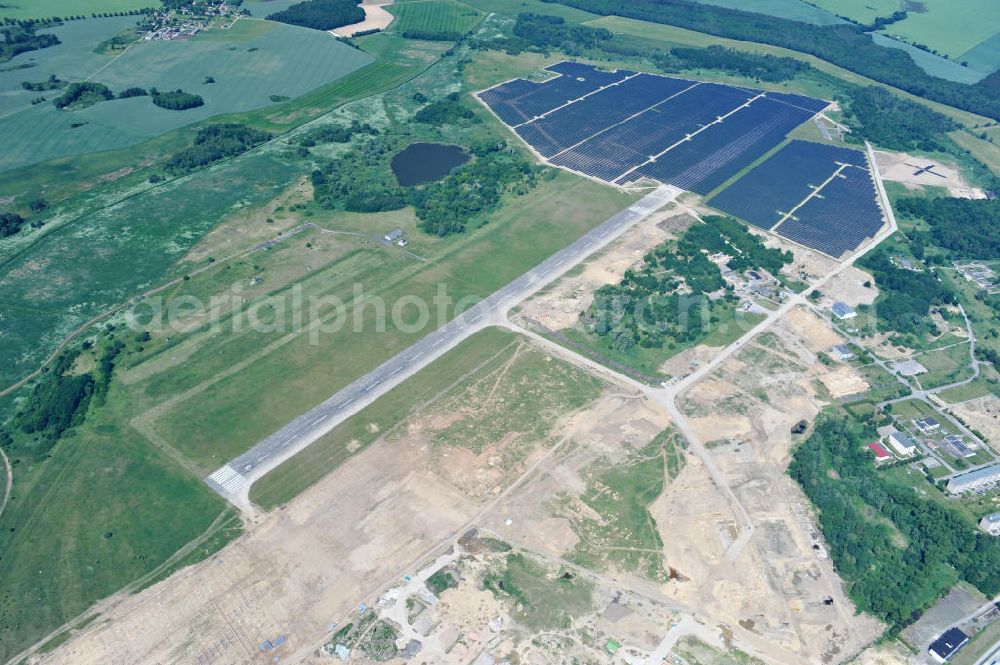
(622, 126)
(771, 190)
(845, 213)
(823, 196)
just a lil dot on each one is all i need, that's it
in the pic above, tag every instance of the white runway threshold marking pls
(229, 479)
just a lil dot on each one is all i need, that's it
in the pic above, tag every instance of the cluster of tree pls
(58, 401)
(753, 65)
(321, 14)
(891, 121)
(176, 100)
(53, 82)
(451, 109)
(472, 191)
(213, 143)
(21, 38)
(846, 45)
(430, 35)
(649, 307)
(132, 92)
(360, 180)
(335, 133)
(905, 297)
(82, 94)
(914, 548)
(10, 223)
(543, 32)
(968, 228)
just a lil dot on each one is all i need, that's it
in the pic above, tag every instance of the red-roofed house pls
(880, 452)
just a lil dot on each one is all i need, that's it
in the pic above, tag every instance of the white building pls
(902, 444)
(842, 310)
(991, 524)
(973, 481)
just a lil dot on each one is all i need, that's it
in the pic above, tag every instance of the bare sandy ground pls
(902, 167)
(982, 414)
(376, 18)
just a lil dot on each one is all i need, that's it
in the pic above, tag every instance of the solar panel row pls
(774, 188)
(721, 150)
(619, 149)
(578, 121)
(845, 213)
(518, 101)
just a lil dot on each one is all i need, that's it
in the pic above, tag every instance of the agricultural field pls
(248, 64)
(796, 10)
(434, 16)
(862, 11)
(25, 9)
(952, 29)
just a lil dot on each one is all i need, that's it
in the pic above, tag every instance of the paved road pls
(234, 479)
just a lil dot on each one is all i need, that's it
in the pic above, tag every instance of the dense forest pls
(321, 14)
(176, 100)
(542, 32)
(10, 223)
(335, 133)
(471, 191)
(912, 550)
(360, 179)
(83, 94)
(893, 122)
(753, 65)
(968, 228)
(848, 46)
(648, 307)
(213, 143)
(905, 297)
(21, 38)
(444, 111)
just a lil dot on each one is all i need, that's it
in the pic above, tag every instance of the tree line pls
(215, 142)
(848, 46)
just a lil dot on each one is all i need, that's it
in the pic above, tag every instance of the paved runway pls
(233, 480)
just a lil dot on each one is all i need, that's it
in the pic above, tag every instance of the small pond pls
(425, 162)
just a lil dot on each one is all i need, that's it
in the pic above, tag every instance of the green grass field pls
(299, 372)
(948, 27)
(106, 509)
(249, 62)
(434, 16)
(944, 366)
(540, 599)
(625, 535)
(22, 9)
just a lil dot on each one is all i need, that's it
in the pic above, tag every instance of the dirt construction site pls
(535, 511)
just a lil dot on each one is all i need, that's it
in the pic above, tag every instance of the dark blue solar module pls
(775, 187)
(613, 152)
(609, 125)
(576, 122)
(518, 101)
(844, 213)
(589, 72)
(716, 154)
(807, 103)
